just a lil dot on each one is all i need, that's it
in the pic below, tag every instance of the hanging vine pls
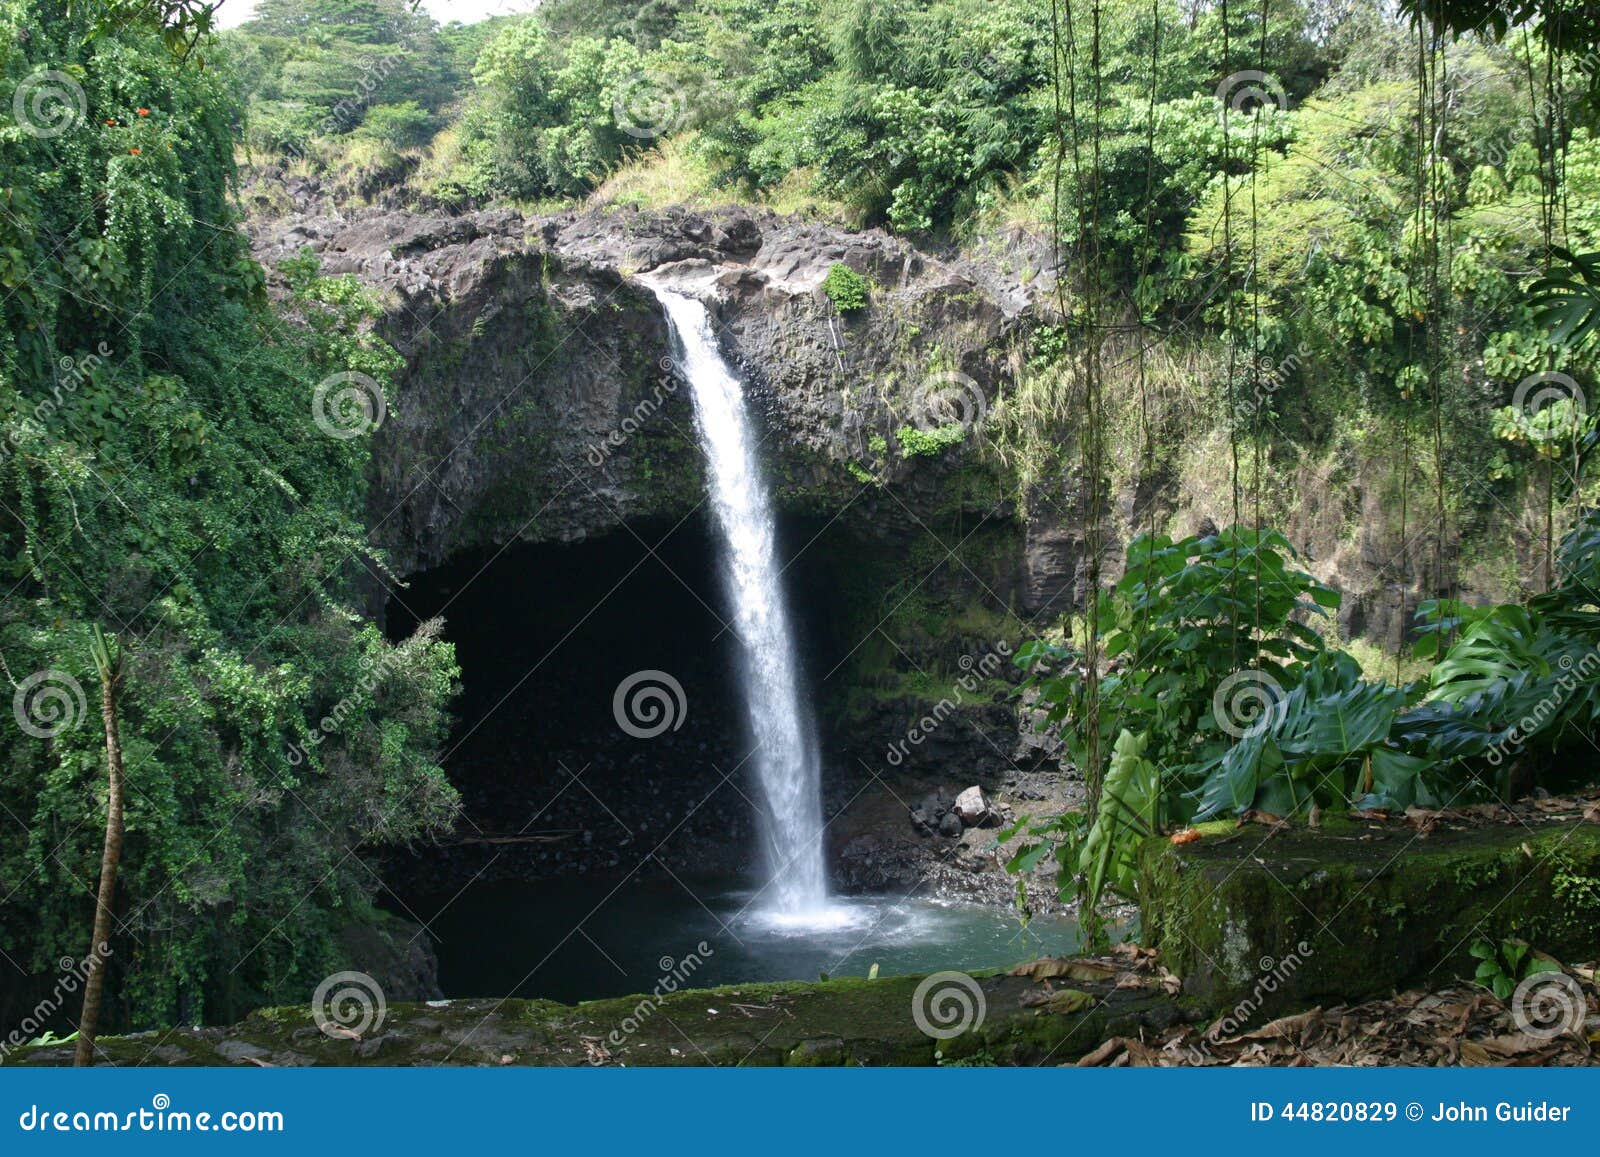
(1087, 367)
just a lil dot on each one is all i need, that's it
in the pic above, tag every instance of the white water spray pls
(785, 756)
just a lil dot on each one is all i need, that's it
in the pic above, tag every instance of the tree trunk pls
(94, 984)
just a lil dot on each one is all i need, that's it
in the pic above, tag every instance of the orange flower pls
(144, 112)
(111, 122)
(134, 151)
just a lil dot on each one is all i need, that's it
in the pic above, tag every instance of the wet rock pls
(825, 1051)
(950, 825)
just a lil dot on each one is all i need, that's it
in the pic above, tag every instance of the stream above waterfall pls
(593, 939)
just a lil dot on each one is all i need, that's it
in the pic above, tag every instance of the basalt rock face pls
(539, 403)
(538, 400)
(519, 369)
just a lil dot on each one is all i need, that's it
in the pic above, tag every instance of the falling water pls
(785, 750)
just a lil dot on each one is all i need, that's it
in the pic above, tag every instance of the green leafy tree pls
(162, 473)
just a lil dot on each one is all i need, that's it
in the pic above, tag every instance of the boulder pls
(971, 808)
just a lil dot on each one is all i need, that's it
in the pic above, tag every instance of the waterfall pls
(784, 756)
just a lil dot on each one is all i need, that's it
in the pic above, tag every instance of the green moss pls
(838, 1022)
(1363, 909)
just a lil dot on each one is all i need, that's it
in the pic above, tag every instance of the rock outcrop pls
(837, 1022)
(539, 402)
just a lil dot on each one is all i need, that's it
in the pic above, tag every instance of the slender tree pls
(110, 670)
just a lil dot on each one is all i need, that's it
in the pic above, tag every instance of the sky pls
(236, 12)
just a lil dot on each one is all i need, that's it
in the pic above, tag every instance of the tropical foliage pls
(1226, 701)
(163, 478)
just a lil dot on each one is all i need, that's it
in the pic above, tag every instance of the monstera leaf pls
(1499, 645)
(1570, 604)
(1567, 303)
(1327, 727)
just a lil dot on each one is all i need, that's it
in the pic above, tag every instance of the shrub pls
(846, 288)
(915, 443)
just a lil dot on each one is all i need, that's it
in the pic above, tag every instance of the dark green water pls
(571, 941)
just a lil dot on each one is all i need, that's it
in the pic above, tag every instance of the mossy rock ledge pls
(835, 1022)
(1355, 910)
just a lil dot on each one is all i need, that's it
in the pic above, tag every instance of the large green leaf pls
(1129, 806)
(1330, 721)
(1567, 302)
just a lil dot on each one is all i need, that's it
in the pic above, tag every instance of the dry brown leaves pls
(1069, 968)
(1462, 1024)
(1127, 966)
(1583, 806)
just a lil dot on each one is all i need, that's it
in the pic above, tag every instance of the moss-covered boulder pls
(1293, 917)
(993, 1019)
